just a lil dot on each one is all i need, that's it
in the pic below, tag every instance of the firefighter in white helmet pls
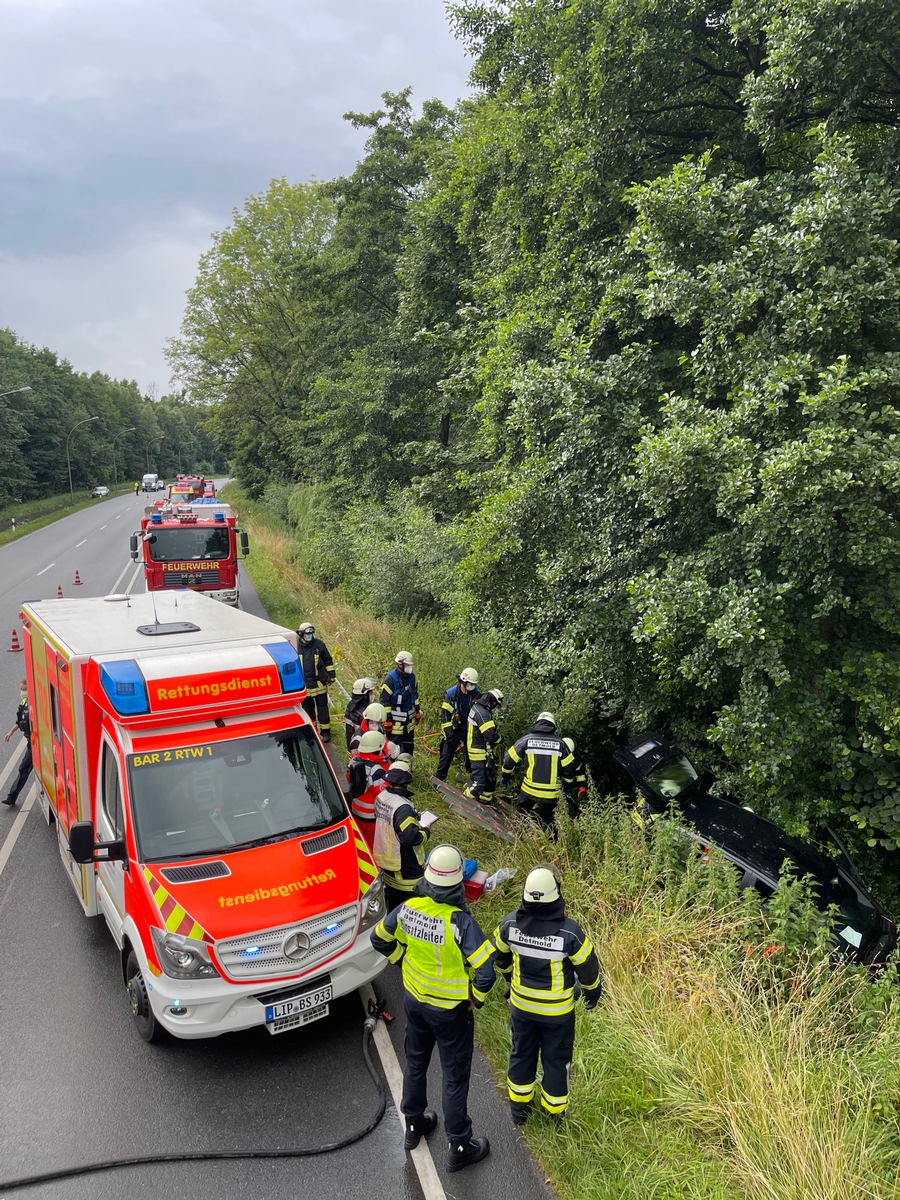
(400, 696)
(455, 719)
(318, 673)
(482, 741)
(361, 696)
(375, 718)
(447, 971)
(549, 765)
(400, 840)
(366, 773)
(541, 952)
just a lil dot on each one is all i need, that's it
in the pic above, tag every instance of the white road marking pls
(102, 527)
(47, 568)
(429, 1180)
(18, 825)
(117, 517)
(81, 543)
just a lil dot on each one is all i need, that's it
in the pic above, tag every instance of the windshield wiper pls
(282, 836)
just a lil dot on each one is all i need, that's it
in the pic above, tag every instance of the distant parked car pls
(99, 491)
(757, 848)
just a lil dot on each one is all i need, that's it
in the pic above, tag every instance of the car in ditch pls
(760, 850)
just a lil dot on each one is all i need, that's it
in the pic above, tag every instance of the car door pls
(110, 827)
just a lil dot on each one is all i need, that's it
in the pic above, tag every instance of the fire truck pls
(191, 546)
(196, 811)
(188, 488)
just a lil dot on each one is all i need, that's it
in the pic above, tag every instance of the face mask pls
(306, 638)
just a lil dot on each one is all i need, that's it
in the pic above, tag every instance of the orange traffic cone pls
(77, 579)
(14, 644)
(59, 594)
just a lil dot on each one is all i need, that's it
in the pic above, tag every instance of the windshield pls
(213, 797)
(188, 543)
(672, 779)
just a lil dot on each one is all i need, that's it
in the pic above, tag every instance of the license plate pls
(301, 1006)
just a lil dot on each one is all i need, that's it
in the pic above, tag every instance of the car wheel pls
(139, 1001)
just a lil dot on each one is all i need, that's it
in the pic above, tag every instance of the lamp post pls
(13, 391)
(130, 429)
(68, 460)
(147, 449)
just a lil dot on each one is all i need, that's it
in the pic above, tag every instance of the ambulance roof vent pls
(194, 872)
(116, 598)
(325, 841)
(160, 629)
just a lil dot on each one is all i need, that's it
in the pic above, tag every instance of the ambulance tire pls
(139, 1000)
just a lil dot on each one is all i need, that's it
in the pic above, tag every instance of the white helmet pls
(542, 885)
(307, 627)
(404, 660)
(444, 867)
(494, 694)
(371, 742)
(468, 675)
(570, 744)
(547, 716)
(375, 712)
(366, 684)
(400, 772)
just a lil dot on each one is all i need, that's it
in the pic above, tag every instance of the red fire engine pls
(191, 546)
(188, 488)
(196, 810)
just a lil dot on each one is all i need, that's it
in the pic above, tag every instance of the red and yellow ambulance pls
(195, 808)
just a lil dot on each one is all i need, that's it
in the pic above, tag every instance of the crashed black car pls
(666, 778)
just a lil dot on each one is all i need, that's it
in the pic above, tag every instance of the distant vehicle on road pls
(99, 491)
(757, 848)
(152, 483)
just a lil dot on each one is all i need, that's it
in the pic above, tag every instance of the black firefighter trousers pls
(553, 1038)
(453, 1031)
(316, 708)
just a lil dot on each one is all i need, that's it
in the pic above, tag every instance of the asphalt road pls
(77, 1084)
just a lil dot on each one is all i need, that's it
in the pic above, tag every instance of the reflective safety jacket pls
(318, 665)
(399, 845)
(365, 775)
(455, 708)
(400, 696)
(548, 763)
(445, 955)
(482, 732)
(541, 955)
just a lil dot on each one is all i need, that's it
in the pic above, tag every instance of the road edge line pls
(12, 837)
(429, 1180)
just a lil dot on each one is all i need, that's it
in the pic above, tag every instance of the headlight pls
(372, 905)
(182, 957)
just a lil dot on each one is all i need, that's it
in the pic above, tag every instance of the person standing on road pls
(137, 488)
(549, 764)
(400, 840)
(455, 719)
(318, 673)
(361, 696)
(482, 735)
(400, 696)
(540, 953)
(447, 971)
(23, 724)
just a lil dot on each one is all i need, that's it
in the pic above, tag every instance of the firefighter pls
(400, 696)
(576, 793)
(400, 841)
(548, 763)
(540, 953)
(318, 673)
(23, 724)
(361, 696)
(482, 735)
(366, 773)
(447, 971)
(375, 717)
(455, 718)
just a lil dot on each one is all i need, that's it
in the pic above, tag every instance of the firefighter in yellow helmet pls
(447, 971)
(541, 952)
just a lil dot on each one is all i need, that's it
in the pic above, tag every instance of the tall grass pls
(729, 1059)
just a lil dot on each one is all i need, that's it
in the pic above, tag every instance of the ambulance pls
(196, 810)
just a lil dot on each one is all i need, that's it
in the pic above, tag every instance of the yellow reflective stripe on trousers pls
(554, 1104)
(520, 1093)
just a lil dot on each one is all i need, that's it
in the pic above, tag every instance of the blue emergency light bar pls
(125, 686)
(288, 663)
(156, 518)
(220, 516)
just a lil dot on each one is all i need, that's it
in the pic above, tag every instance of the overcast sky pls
(130, 129)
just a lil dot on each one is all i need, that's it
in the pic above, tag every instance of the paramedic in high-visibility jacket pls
(447, 971)
(541, 952)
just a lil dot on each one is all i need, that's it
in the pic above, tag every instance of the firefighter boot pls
(464, 1154)
(419, 1127)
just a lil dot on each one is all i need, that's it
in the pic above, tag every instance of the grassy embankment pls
(33, 514)
(709, 1070)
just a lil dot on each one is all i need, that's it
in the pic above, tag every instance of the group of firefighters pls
(448, 963)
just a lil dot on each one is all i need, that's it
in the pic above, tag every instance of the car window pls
(672, 779)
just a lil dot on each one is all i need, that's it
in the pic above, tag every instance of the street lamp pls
(147, 449)
(68, 460)
(13, 391)
(130, 429)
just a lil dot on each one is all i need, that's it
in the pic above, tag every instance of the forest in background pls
(603, 363)
(36, 425)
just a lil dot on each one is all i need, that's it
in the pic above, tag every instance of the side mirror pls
(84, 849)
(245, 544)
(134, 546)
